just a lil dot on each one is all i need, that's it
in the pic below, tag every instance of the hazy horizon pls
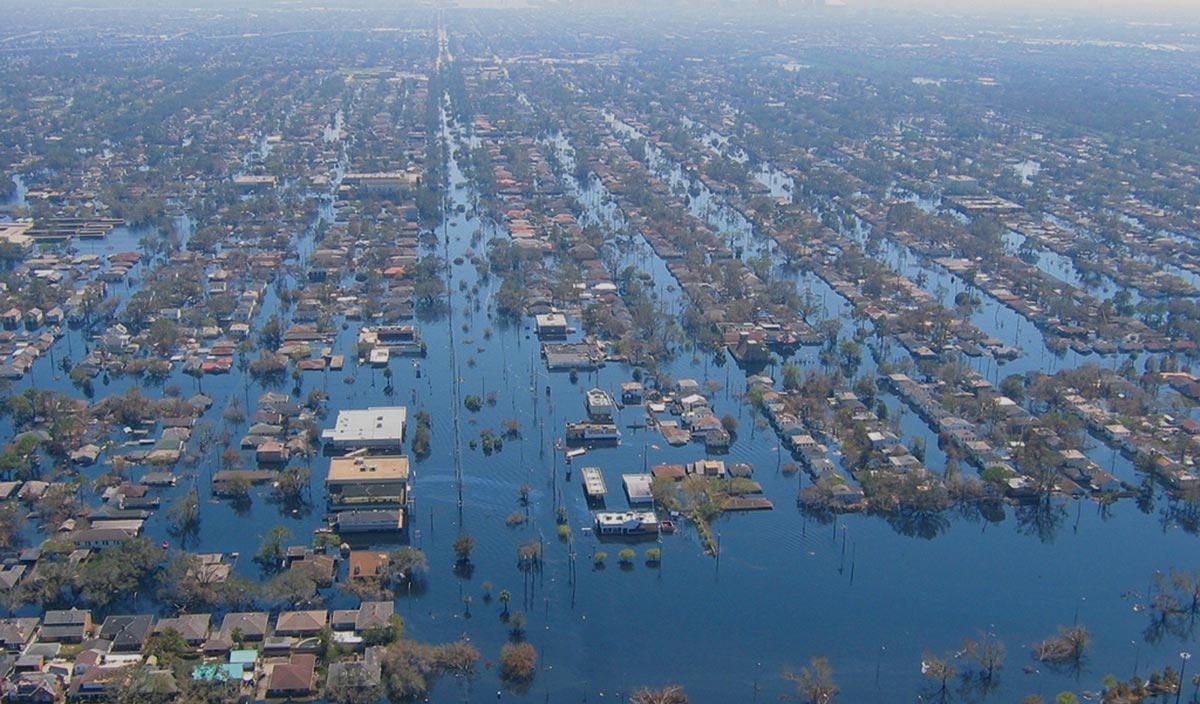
(1132, 7)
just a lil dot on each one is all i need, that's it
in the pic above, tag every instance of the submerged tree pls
(1174, 604)
(987, 652)
(672, 694)
(463, 545)
(270, 554)
(938, 669)
(815, 684)
(518, 664)
(407, 564)
(1066, 648)
(184, 514)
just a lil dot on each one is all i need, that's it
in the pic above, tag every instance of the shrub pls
(518, 662)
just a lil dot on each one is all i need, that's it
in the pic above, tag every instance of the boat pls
(575, 452)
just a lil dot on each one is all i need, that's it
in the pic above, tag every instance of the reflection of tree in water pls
(1042, 519)
(919, 524)
(992, 511)
(974, 687)
(823, 516)
(986, 654)
(1183, 512)
(1174, 606)
(1145, 496)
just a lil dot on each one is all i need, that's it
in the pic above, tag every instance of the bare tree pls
(815, 683)
(987, 652)
(672, 694)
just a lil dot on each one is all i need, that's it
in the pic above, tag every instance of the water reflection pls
(1042, 519)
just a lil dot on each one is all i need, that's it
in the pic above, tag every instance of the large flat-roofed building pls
(376, 428)
(255, 183)
(365, 483)
(551, 325)
(381, 181)
(637, 488)
(371, 521)
(14, 236)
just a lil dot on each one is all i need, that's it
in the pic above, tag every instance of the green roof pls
(217, 672)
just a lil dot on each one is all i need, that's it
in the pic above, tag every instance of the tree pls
(1066, 648)
(517, 624)
(140, 684)
(938, 669)
(672, 694)
(987, 652)
(1013, 386)
(184, 514)
(409, 667)
(292, 487)
(352, 685)
(119, 572)
(408, 564)
(815, 683)
(238, 489)
(270, 335)
(229, 458)
(518, 663)
(505, 597)
(12, 522)
(791, 376)
(269, 557)
(463, 546)
(292, 589)
(729, 423)
(167, 646)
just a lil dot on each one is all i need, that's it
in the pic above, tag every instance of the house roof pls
(69, 617)
(301, 621)
(253, 624)
(127, 632)
(367, 563)
(193, 627)
(244, 656)
(17, 631)
(374, 614)
(294, 676)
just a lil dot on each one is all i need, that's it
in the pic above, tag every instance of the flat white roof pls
(545, 319)
(619, 517)
(372, 427)
(637, 486)
(381, 468)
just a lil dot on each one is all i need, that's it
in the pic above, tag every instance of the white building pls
(637, 488)
(626, 522)
(375, 428)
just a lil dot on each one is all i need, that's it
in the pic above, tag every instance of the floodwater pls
(870, 594)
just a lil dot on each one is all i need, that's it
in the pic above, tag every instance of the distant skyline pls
(1132, 7)
(1146, 10)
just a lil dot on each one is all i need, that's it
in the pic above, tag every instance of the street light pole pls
(1183, 658)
